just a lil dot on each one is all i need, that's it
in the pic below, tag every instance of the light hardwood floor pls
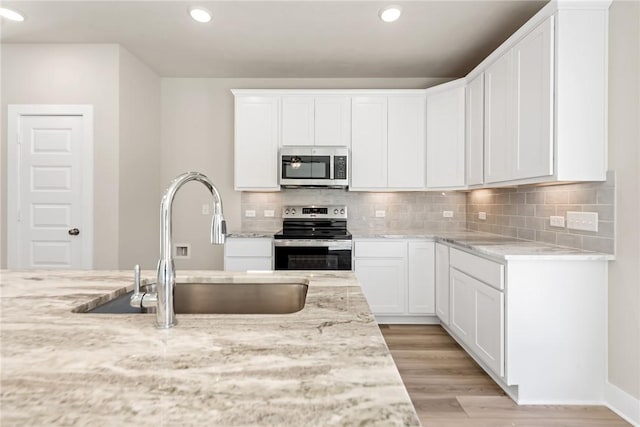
(449, 389)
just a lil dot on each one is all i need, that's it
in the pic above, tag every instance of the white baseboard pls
(622, 403)
(384, 319)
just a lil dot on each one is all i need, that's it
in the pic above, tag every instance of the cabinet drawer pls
(251, 247)
(378, 249)
(489, 272)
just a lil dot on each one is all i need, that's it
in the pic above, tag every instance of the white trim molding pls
(15, 111)
(622, 403)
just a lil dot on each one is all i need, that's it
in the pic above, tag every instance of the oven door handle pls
(331, 244)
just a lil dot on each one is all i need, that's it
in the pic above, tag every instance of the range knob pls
(335, 211)
(293, 211)
(342, 211)
(286, 211)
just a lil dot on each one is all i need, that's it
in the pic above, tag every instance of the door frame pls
(15, 113)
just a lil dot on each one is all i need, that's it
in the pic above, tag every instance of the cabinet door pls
(333, 121)
(533, 72)
(498, 120)
(475, 131)
(489, 326)
(368, 142)
(297, 120)
(421, 278)
(445, 139)
(256, 143)
(442, 282)
(462, 321)
(247, 263)
(406, 142)
(383, 282)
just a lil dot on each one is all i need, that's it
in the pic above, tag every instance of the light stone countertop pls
(326, 365)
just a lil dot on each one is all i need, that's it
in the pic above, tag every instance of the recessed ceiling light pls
(11, 14)
(200, 14)
(390, 13)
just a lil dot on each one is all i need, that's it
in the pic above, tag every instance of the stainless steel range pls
(313, 238)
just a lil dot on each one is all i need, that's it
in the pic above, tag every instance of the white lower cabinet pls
(536, 325)
(242, 254)
(382, 281)
(477, 318)
(421, 278)
(442, 282)
(397, 277)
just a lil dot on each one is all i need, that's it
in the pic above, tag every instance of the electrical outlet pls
(556, 221)
(182, 250)
(482, 216)
(206, 210)
(586, 221)
(381, 214)
(250, 213)
(447, 214)
(269, 213)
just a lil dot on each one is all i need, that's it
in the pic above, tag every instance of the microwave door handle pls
(331, 164)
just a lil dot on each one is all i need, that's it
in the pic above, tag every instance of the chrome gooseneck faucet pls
(166, 274)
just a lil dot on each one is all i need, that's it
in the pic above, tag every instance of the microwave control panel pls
(340, 167)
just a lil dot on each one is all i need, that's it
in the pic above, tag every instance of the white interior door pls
(50, 218)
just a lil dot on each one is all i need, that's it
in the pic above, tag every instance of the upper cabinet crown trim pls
(549, 10)
(311, 92)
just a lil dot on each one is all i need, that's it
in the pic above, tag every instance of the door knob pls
(74, 232)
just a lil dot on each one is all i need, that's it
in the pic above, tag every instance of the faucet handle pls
(136, 278)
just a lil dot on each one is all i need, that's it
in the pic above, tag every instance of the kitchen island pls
(326, 365)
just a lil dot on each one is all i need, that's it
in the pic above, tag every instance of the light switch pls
(556, 221)
(447, 214)
(206, 210)
(249, 213)
(586, 221)
(269, 213)
(380, 214)
(482, 216)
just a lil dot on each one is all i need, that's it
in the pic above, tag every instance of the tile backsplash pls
(521, 212)
(403, 210)
(524, 212)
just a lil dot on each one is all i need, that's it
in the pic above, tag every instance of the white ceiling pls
(282, 38)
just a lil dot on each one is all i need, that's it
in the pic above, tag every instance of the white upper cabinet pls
(368, 142)
(533, 80)
(474, 131)
(333, 120)
(316, 120)
(298, 120)
(498, 120)
(406, 142)
(256, 143)
(445, 138)
(388, 142)
(519, 109)
(545, 102)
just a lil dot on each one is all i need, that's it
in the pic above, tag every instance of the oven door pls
(312, 254)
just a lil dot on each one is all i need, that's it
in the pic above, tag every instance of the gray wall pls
(624, 159)
(71, 74)
(139, 163)
(125, 95)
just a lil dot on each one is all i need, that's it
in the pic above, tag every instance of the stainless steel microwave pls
(304, 166)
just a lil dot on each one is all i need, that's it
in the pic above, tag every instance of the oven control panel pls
(308, 212)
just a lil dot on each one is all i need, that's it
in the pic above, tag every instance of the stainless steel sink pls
(226, 298)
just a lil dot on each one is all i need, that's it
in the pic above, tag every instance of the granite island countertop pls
(326, 365)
